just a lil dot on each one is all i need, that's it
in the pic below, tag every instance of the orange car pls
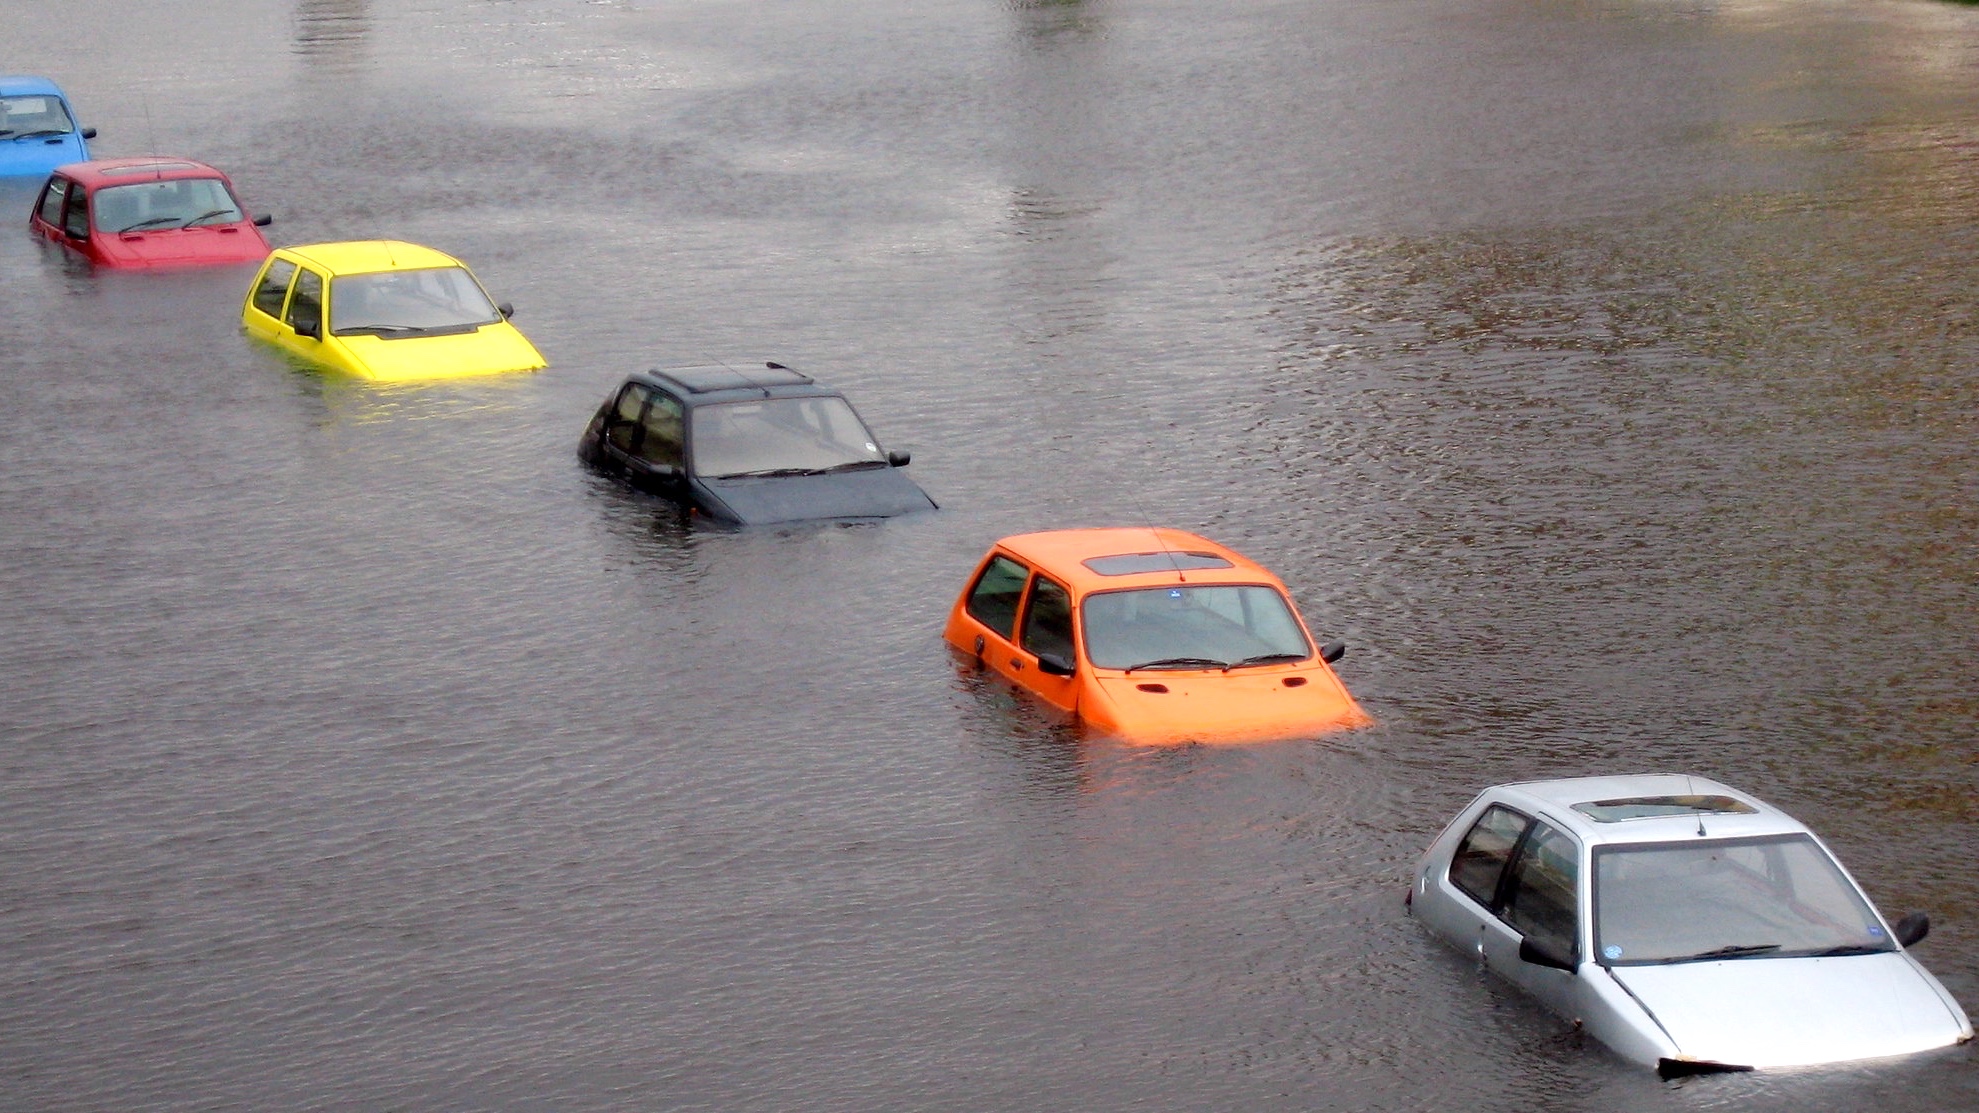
(1153, 635)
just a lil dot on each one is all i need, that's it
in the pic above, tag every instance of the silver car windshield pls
(1711, 900)
(780, 436)
(439, 299)
(1192, 627)
(161, 205)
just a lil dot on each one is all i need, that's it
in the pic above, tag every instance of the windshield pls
(161, 205)
(442, 299)
(780, 436)
(1186, 626)
(33, 115)
(1695, 901)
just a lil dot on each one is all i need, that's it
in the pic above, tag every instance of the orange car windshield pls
(1191, 627)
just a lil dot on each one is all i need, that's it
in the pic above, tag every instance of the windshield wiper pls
(1266, 659)
(374, 330)
(851, 465)
(1736, 950)
(1179, 663)
(207, 215)
(145, 224)
(1851, 949)
(769, 473)
(42, 134)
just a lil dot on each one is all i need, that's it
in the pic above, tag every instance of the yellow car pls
(384, 310)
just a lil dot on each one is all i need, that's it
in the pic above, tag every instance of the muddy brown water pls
(1601, 372)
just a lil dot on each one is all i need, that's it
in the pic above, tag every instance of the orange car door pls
(1045, 657)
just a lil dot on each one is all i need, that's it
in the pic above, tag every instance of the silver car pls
(1682, 923)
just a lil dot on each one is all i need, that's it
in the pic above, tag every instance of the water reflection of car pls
(747, 446)
(384, 310)
(1682, 923)
(147, 212)
(1153, 635)
(38, 129)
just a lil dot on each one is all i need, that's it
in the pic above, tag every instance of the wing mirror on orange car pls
(1332, 651)
(1054, 665)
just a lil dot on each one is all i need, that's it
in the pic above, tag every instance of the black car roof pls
(719, 382)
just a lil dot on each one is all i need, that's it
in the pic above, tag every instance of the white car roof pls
(1647, 807)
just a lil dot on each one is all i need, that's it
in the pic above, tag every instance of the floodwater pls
(1602, 371)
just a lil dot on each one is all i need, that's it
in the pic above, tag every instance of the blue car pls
(38, 129)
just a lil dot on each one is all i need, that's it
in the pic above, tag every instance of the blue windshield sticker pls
(1611, 952)
(1174, 593)
(1875, 931)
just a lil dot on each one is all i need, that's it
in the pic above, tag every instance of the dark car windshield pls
(1188, 626)
(34, 114)
(1703, 900)
(174, 203)
(439, 299)
(780, 436)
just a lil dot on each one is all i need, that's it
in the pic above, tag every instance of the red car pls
(147, 212)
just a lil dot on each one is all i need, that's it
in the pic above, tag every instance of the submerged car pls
(1155, 636)
(38, 129)
(1684, 924)
(384, 310)
(747, 447)
(149, 213)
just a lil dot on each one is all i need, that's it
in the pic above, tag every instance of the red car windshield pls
(177, 203)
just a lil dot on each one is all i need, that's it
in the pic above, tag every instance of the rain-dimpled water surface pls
(1603, 372)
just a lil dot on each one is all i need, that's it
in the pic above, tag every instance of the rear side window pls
(1048, 621)
(273, 288)
(993, 598)
(1541, 902)
(50, 209)
(1481, 857)
(306, 306)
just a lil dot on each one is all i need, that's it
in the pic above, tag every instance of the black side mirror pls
(1053, 665)
(311, 329)
(1546, 952)
(89, 133)
(1913, 928)
(264, 220)
(1332, 651)
(506, 309)
(899, 457)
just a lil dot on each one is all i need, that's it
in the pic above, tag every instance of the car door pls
(1539, 899)
(643, 438)
(990, 612)
(270, 295)
(1045, 658)
(47, 222)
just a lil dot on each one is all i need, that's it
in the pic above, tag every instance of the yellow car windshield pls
(410, 302)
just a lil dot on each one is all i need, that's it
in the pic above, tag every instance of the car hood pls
(36, 156)
(182, 247)
(1168, 707)
(871, 493)
(489, 350)
(1779, 1012)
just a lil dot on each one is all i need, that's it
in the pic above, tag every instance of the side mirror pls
(89, 133)
(1332, 651)
(506, 309)
(899, 457)
(311, 329)
(1913, 928)
(264, 220)
(1053, 665)
(1546, 952)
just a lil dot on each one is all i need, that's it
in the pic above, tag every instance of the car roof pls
(1647, 807)
(124, 171)
(370, 256)
(1064, 553)
(24, 85)
(702, 384)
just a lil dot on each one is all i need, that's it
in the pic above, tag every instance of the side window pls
(993, 599)
(273, 289)
(76, 222)
(1481, 857)
(52, 196)
(622, 426)
(664, 437)
(1540, 901)
(1048, 621)
(306, 304)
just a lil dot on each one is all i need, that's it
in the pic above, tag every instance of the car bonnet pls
(1171, 707)
(1779, 1012)
(221, 244)
(491, 349)
(870, 493)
